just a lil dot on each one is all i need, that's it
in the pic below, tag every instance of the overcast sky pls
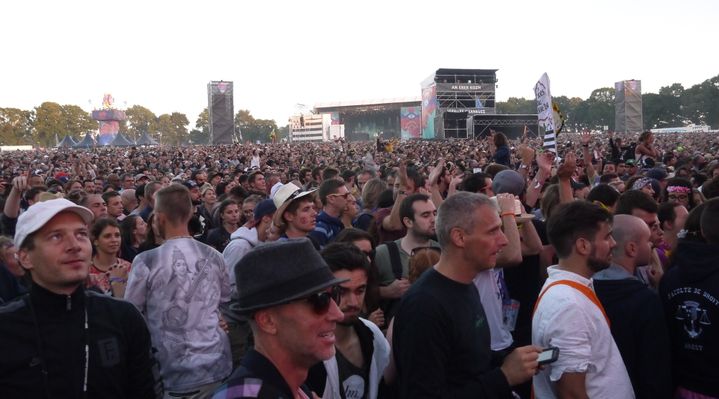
(162, 54)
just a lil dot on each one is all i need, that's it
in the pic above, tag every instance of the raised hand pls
(545, 161)
(567, 169)
(586, 137)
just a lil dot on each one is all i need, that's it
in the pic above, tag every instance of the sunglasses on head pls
(418, 249)
(320, 301)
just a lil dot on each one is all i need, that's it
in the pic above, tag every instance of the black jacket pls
(639, 329)
(690, 293)
(46, 329)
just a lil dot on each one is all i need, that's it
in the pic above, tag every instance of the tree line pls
(672, 106)
(41, 125)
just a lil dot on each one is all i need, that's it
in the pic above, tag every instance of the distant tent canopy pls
(86, 142)
(121, 141)
(145, 139)
(67, 142)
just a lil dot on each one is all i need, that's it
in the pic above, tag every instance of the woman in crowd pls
(134, 231)
(152, 238)
(248, 210)
(72, 185)
(645, 150)
(209, 199)
(370, 198)
(229, 221)
(502, 154)
(108, 272)
(679, 190)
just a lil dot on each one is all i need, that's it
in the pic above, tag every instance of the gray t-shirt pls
(178, 287)
(383, 260)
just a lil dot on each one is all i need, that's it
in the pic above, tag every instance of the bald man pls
(635, 311)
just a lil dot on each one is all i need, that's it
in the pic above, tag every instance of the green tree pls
(700, 103)
(254, 129)
(515, 105)
(15, 126)
(567, 106)
(201, 133)
(49, 120)
(139, 121)
(600, 109)
(283, 133)
(661, 110)
(173, 128)
(77, 121)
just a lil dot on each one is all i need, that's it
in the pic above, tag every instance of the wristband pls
(120, 280)
(503, 214)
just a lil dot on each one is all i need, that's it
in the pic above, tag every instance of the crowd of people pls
(489, 268)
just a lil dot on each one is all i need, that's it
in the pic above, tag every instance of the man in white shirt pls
(568, 314)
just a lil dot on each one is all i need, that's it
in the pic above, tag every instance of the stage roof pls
(483, 74)
(370, 104)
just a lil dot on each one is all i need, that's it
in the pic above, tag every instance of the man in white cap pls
(296, 214)
(60, 340)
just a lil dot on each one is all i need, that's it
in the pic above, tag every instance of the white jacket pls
(380, 359)
(241, 242)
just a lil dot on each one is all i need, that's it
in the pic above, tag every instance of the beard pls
(349, 320)
(596, 264)
(425, 235)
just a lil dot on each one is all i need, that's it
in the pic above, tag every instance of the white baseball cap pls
(40, 213)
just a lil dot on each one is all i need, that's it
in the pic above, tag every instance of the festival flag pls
(545, 114)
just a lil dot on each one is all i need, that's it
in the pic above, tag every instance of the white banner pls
(544, 112)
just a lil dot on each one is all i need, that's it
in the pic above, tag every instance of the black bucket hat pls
(280, 272)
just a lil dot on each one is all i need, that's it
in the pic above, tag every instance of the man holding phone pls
(568, 314)
(441, 339)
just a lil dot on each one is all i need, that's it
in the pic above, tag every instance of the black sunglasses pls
(320, 301)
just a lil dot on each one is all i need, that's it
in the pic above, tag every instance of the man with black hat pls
(61, 341)
(291, 305)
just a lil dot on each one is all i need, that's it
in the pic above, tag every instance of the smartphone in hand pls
(548, 356)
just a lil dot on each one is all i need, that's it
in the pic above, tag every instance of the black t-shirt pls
(441, 343)
(353, 379)
(218, 238)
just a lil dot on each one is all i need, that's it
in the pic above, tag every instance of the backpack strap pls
(395, 259)
(591, 295)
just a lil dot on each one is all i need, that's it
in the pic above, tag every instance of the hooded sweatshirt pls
(690, 293)
(639, 329)
(241, 242)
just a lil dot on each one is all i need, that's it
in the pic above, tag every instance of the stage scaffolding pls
(512, 125)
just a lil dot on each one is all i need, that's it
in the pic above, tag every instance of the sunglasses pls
(418, 249)
(320, 301)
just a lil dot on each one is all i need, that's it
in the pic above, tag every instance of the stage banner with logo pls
(410, 122)
(429, 111)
